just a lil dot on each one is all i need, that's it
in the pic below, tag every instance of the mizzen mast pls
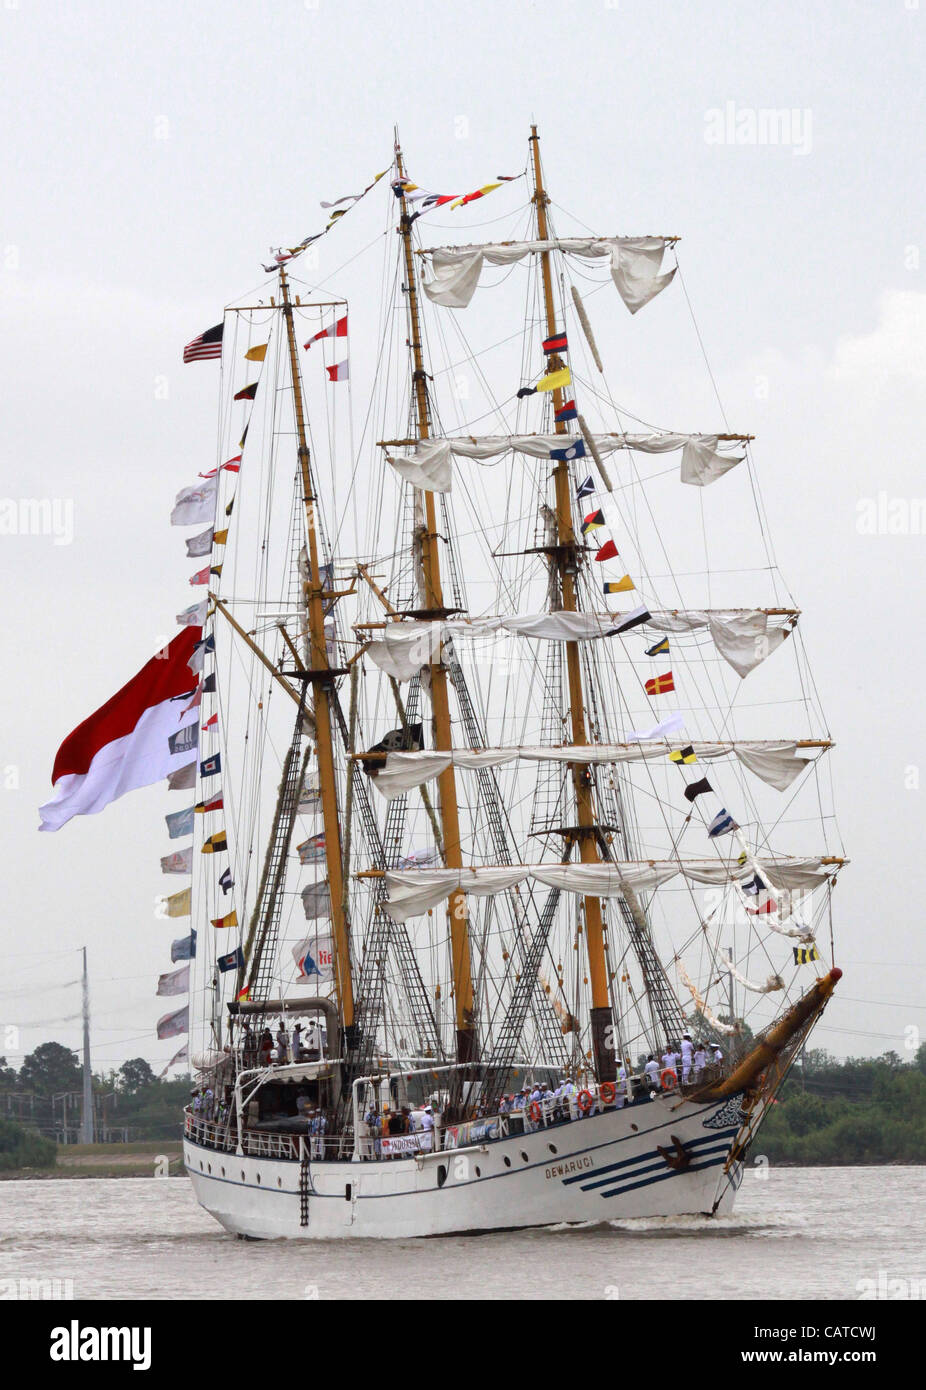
(565, 556)
(321, 676)
(461, 961)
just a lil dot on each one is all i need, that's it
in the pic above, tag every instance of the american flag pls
(208, 344)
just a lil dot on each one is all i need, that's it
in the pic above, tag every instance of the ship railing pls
(261, 1145)
(212, 1134)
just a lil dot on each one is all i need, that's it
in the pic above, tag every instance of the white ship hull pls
(601, 1168)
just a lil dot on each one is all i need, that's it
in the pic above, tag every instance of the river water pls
(812, 1234)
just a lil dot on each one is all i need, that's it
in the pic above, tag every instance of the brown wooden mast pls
(320, 677)
(461, 962)
(566, 560)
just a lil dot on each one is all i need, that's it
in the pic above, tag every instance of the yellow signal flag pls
(555, 381)
(220, 537)
(256, 354)
(179, 904)
(619, 586)
(215, 843)
(230, 921)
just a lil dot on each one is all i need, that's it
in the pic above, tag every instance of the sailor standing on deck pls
(652, 1070)
(687, 1057)
(282, 1043)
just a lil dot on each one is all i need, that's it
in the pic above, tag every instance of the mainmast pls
(461, 964)
(321, 677)
(565, 557)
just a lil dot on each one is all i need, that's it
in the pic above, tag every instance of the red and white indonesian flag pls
(124, 745)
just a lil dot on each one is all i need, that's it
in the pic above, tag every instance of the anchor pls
(678, 1160)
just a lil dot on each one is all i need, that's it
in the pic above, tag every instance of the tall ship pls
(503, 822)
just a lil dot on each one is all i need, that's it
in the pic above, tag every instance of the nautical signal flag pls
(629, 620)
(585, 488)
(566, 412)
(660, 685)
(220, 537)
(722, 824)
(215, 843)
(243, 994)
(592, 522)
(607, 552)
(754, 886)
(803, 955)
(339, 372)
(695, 789)
(764, 909)
(231, 920)
(210, 766)
(209, 684)
(257, 354)
(206, 345)
(683, 755)
(233, 961)
(658, 648)
(575, 450)
(557, 343)
(215, 804)
(619, 586)
(231, 506)
(226, 882)
(213, 719)
(337, 330)
(201, 576)
(555, 381)
(247, 393)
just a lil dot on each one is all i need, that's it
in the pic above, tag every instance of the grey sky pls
(154, 152)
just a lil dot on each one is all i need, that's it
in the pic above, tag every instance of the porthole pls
(525, 1157)
(208, 1167)
(258, 1179)
(242, 1175)
(279, 1182)
(441, 1174)
(635, 1128)
(553, 1149)
(223, 1172)
(347, 1192)
(507, 1161)
(478, 1172)
(200, 1165)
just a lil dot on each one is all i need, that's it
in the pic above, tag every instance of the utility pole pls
(86, 1124)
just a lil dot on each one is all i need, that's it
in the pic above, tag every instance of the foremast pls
(565, 557)
(461, 955)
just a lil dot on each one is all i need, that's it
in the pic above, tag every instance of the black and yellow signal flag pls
(804, 955)
(683, 755)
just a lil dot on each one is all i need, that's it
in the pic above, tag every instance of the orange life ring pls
(607, 1090)
(668, 1085)
(588, 1101)
(535, 1112)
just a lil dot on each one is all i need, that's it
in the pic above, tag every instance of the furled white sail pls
(775, 763)
(743, 636)
(430, 466)
(636, 265)
(413, 891)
